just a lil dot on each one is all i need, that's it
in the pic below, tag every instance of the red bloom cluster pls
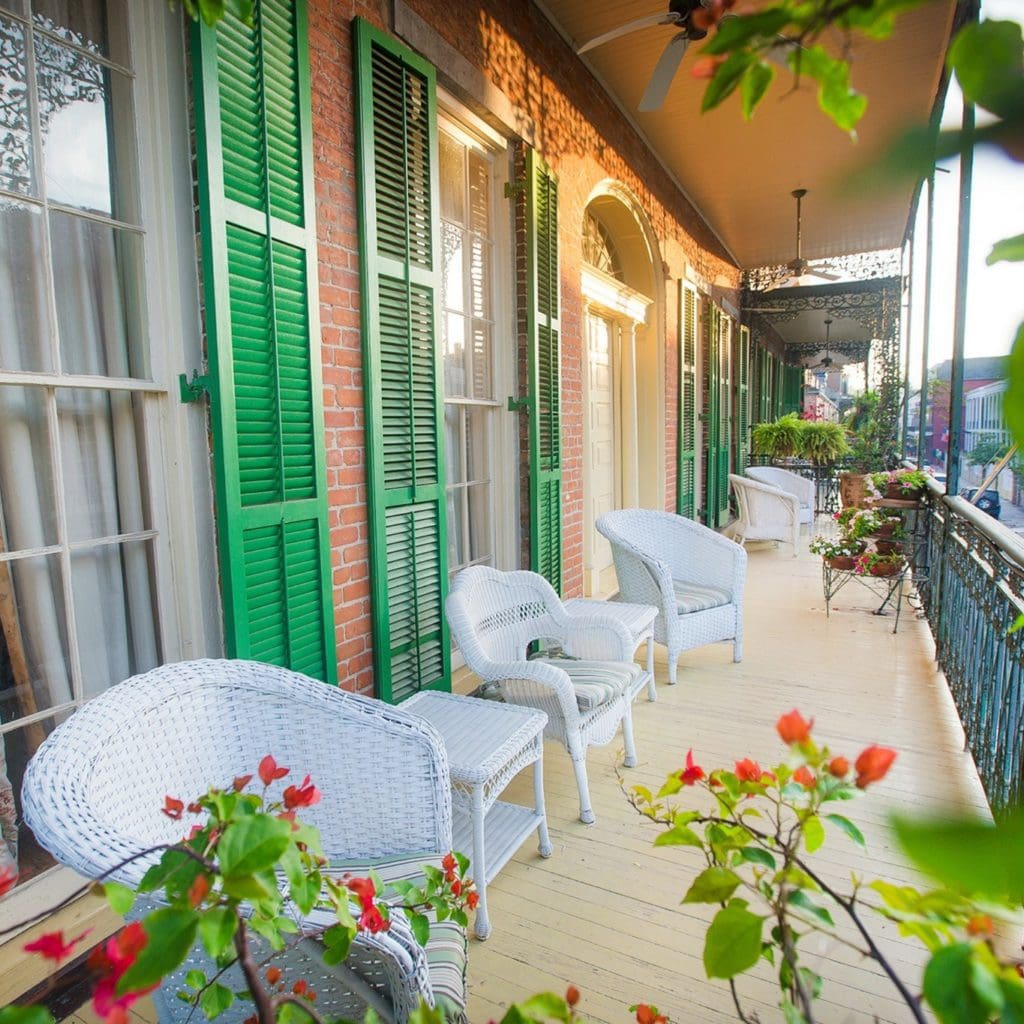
(371, 919)
(53, 946)
(8, 878)
(649, 1015)
(872, 765)
(301, 796)
(270, 770)
(111, 962)
(173, 808)
(692, 773)
(794, 728)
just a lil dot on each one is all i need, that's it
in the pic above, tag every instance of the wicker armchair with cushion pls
(693, 575)
(496, 617)
(765, 512)
(94, 790)
(800, 487)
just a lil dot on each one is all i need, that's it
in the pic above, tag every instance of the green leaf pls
(814, 833)
(985, 985)
(217, 930)
(843, 104)
(947, 987)
(215, 1000)
(679, 835)
(848, 827)
(968, 855)
(420, 927)
(755, 855)
(727, 76)
(252, 845)
(1013, 399)
(748, 29)
(545, 1006)
(1009, 249)
(712, 885)
(733, 942)
(119, 896)
(988, 59)
(171, 862)
(245, 889)
(195, 979)
(170, 932)
(25, 1015)
(754, 85)
(337, 940)
(1013, 1001)
(799, 898)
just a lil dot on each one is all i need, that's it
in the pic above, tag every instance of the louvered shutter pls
(686, 479)
(724, 419)
(743, 400)
(257, 218)
(400, 282)
(792, 389)
(544, 389)
(712, 418)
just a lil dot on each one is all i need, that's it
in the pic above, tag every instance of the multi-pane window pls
(467, 335)
(78, 407)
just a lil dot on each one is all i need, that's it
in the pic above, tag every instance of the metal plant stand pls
(888, 588)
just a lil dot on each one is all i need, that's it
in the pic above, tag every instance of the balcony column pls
(926, 323)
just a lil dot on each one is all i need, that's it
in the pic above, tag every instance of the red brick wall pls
(585, 140)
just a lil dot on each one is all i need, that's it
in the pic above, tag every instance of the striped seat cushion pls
(597, 682)
(695, 597)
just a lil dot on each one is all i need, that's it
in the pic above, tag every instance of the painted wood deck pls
(603, 912)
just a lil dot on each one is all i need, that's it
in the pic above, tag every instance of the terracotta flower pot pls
(886, 568)
(897, 493)
(886, 529)
(888, 547)
(844, 562)
(853, 489)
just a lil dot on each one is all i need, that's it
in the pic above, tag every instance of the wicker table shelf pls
(638, 619)
(488, 744)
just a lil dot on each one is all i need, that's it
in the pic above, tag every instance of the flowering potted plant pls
(838, 553)
(897, 485)
(875, 563)
(860, 523)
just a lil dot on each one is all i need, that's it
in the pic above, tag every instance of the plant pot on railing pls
(888, 547)
(853, 489)
(842, 562)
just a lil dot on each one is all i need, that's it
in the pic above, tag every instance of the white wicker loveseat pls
(765, 512)
(694, 576)
(803, 489)
(496, 616)
(94, 790)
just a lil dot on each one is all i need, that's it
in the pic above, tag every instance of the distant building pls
(819, 406)
(983, 420)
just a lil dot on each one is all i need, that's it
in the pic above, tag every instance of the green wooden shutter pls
(396, 107)
(712, 415)
(725, 419)
(743, 400)
(544, 387)
(792, 389)
(777, 379)
(686, 479)
(258, 225)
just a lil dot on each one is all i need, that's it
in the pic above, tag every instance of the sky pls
(995, 295)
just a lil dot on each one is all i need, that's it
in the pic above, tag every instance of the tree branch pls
(265, 1013)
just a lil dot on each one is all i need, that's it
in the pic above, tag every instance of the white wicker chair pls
(765, 512)
(94, 790)
(496, 616)
(803, 489)
(694, 576)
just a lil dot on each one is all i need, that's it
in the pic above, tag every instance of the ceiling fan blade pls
(668, 18)
(823, 274)
(664, 71)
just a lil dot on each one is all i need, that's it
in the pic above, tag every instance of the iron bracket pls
(194, 389)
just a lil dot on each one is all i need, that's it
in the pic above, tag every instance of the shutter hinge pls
(519, 404)
(515, 188)
(194, 389)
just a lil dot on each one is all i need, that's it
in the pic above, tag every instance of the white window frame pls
(176, 457)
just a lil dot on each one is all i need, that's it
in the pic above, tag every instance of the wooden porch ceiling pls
(603, 912)
(740, 175)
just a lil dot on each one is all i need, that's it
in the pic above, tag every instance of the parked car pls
(989, 501)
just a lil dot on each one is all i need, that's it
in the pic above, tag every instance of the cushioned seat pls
(597, 682)
(696, 597)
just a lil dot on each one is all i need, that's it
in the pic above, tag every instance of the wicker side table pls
(637, 618)
(488, 744)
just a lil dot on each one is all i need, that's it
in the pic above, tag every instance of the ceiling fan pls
(827, 361)
(680, 14)
(799, 267)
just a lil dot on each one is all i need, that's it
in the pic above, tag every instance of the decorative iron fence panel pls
(970, 579)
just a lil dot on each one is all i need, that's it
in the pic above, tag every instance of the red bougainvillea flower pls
(273, 975)
(794, 728)
(241, 782)
(980, 924)
(804, 776)
(270, 770)
(448, 862)
(195, 807)
(572, 995)
(370, 920)
(301, 987)
(198, 889)
(748, 771)
(706, 66)
(839, 767)
(692, 773)
(872, 764)
(456, 887)
(173, 808)
(302, 796)
(363, 889)
(111, 961)
(53, 946)
(8, 878)
(649, 1015)
(472, 900)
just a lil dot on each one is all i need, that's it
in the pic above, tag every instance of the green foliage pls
(823, 442)
(779, 439)
(214, 11)
(733, 941)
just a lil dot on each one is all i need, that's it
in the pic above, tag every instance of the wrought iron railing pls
(826, 478)
(969, 575)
